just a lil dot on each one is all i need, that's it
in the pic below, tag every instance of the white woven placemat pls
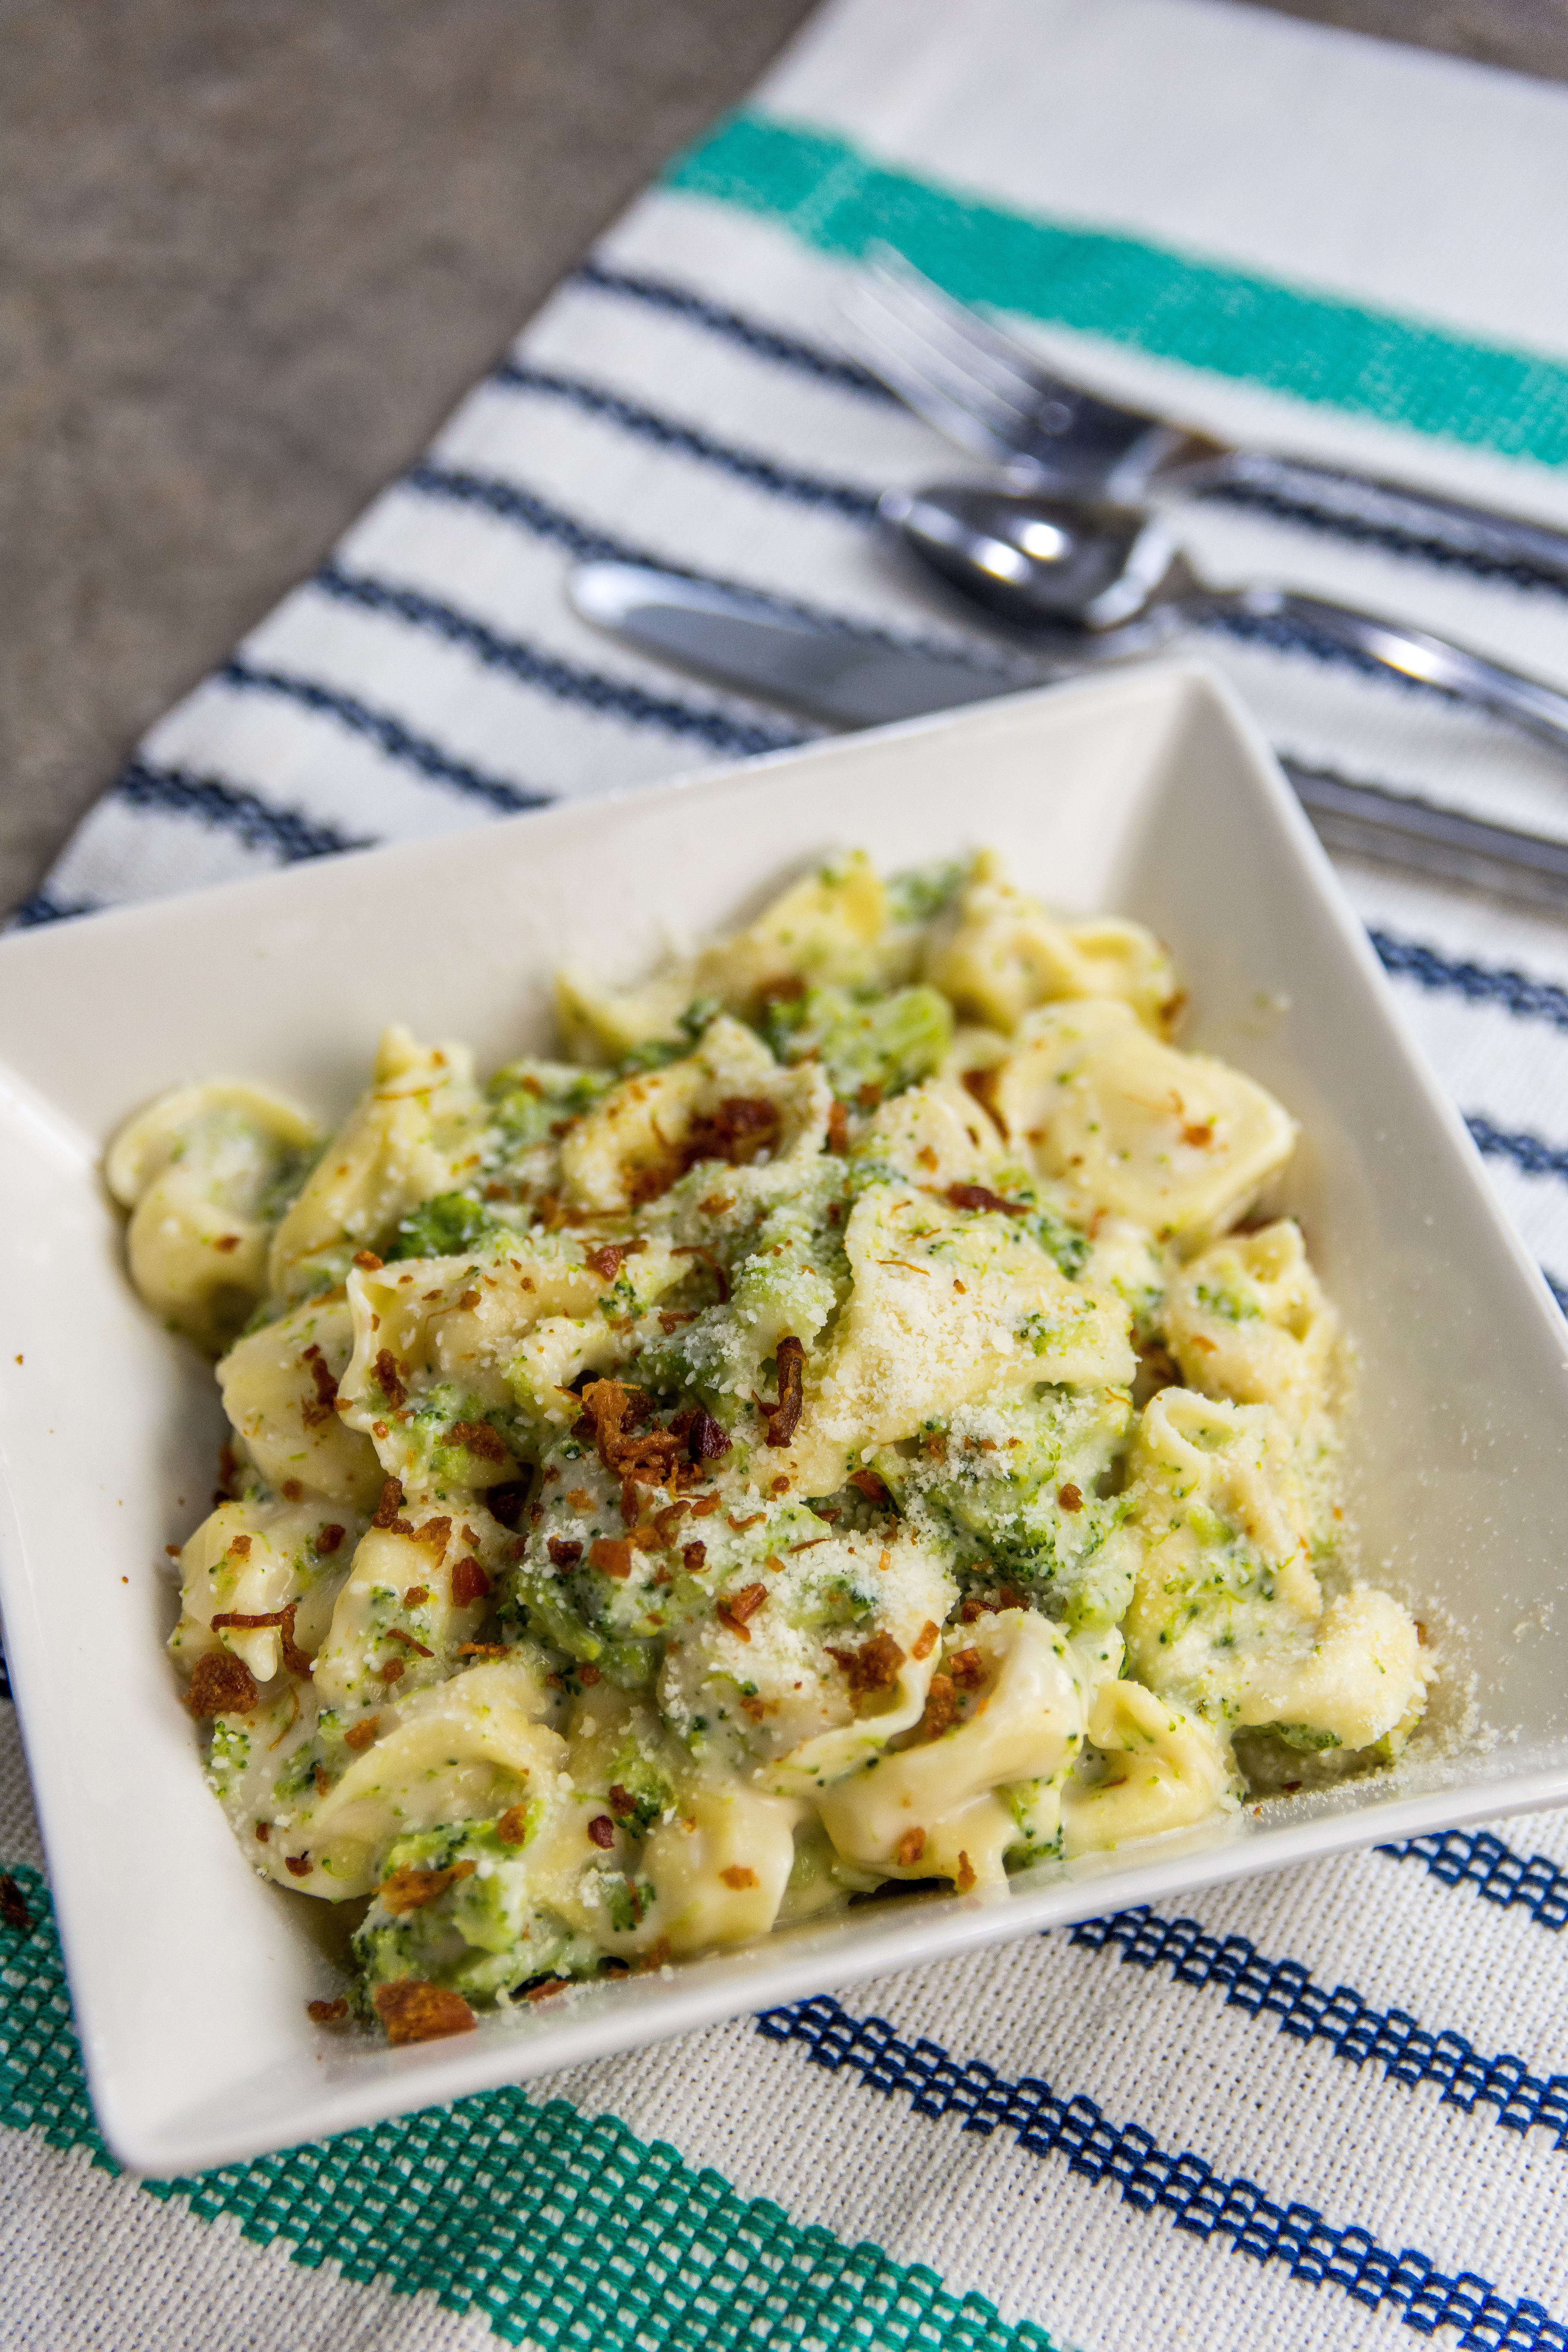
(1333, 2105)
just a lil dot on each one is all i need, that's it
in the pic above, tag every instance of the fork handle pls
(1423, 517)
(1410, 654)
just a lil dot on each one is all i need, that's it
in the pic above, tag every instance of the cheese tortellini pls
(846, 1424)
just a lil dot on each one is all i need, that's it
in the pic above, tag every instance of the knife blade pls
(850, 679)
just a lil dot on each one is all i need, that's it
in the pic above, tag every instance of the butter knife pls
(849, 678)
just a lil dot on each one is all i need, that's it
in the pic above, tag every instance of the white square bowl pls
(1149, 794)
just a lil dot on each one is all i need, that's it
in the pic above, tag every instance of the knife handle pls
(1415, 836)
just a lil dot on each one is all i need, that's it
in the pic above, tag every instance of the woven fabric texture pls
(1329, 2107)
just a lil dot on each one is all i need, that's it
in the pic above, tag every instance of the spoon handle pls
(1408, 652)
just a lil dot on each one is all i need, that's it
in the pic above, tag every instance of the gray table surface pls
(252, 250)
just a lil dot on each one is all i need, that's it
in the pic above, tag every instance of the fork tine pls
(957, 421)
(890, 344)
(963, 335)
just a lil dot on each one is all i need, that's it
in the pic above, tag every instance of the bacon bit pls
(388, 1510)
(872, 1667)
(13, 1908)
(871, 1486)
(925, 1640)
(412, 2010)
(961, 1288)
(396, 1633)
(706, 1439)
(469, 1583)
(982, 1085)
(967, 1669)
(393, 1672)
(611, 1555)
(564, 1552)
(411, 1890)
(885, 1562)
(240, 1549)
(838, 1126)
(1199, 1135)
(283, 1619)
(666, 1521)
(869, 1096)
(671, 1319)
(479, 1438)
(263, 1832)
(693, 1557)
(784, 1418)
(588, 1676)
(507, 1502)
(1009, 1597)
(1069, 1496)
(322, 1406)
(360, 1735)
(941, 1706)
(1197, 1339)
(964, 1880)
(716, 1204)
(481, 1649)
(291, 1490)
(434, 1534)
(547, 1990)
(416, 1596)
(738, 1878)
(1422, 1636)
(606, 1261)
(810, 1544)
(368, 1262)
(389, 1379)
(379, 1429)
(221, 1685)
(610, 1411)
(322, 1778)
(741, 1126)
(328, 1539)
(227, 1242)
(631, 1506)
(734, 1608)
(601, 1830)
(706, 1504)
(712, 1262)
(909, 1848)
(328, 2012)
(298, 1866)
(658, 1955)
(981, 1196)
(512, 1827)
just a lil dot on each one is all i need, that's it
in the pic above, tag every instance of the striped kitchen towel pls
(1333, 2106)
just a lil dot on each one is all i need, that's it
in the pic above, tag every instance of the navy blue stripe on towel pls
(1510, 989)
(1306, 2011)
(762, 473)
(388, 733)
(1530, 1154)
(1197, 2199)
(1476, 1858)
(589, 690)
(733, 327)
(224, 808)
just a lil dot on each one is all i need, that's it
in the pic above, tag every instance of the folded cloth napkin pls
(1331, 2106)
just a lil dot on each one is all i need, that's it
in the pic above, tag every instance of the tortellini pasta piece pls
(1178, 1142)
(728, 1100)
(197, 1170)
(416, 1591)
(949, 1307)
(1247, 1319)
(459, 1750)
(279, 1388)
(998, 954)
(829, 927)
(1160, 1767)
(931, 1809)
(1229, 1616)
(251, 1560)
(408, 1139)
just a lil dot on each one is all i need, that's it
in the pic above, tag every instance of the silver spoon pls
(1090, 578)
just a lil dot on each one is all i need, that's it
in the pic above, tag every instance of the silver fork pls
(985, 392)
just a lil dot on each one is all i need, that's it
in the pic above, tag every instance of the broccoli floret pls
(880, 1044)
(447, 1226)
